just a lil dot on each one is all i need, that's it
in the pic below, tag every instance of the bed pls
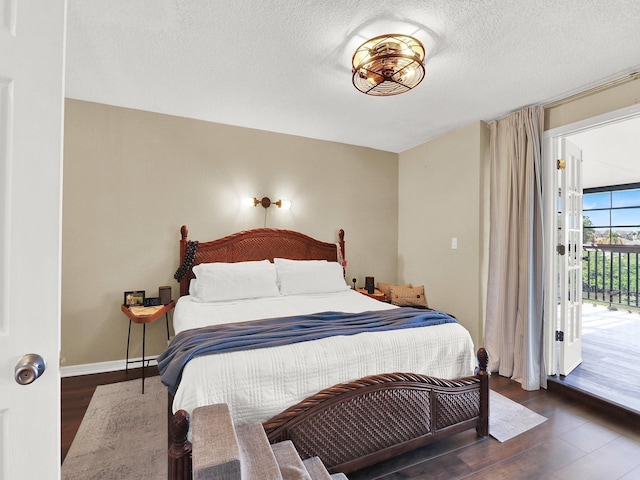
(351, 397)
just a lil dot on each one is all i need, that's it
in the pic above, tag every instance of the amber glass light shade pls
(388, 65)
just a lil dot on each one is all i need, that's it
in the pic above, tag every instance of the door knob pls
(29, 368)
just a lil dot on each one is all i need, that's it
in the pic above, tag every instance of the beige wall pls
(132, 178)
(443, 193)
(442, 196)
(604, 101)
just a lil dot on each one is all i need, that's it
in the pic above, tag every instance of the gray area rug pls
(123, 434)
(508, 419)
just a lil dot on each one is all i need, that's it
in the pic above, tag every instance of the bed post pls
(179, 447)
(184, 232)
(184, 283)
(483, 375)
(341, 257)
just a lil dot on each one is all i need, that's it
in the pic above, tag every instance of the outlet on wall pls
(454, 243)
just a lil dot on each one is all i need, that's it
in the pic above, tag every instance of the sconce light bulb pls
(285, 204)
(249, 202)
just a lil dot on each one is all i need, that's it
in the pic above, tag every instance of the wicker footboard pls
(357, 424)
(353, 425)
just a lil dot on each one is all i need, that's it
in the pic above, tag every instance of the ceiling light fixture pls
(388, 65)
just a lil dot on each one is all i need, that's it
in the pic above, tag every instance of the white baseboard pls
(102, 367)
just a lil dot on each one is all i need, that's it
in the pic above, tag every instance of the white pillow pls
(217, 282)
(309, 276)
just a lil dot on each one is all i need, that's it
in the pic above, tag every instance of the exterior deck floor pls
(610, 368)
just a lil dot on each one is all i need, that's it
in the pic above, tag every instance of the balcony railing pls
(610, 275)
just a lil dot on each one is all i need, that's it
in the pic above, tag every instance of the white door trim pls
(594, 122)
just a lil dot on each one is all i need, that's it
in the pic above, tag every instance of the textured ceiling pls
(284, 65)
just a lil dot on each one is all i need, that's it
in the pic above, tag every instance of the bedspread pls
(258, 384)
(275, 332)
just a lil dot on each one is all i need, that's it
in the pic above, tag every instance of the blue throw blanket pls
(284, 331)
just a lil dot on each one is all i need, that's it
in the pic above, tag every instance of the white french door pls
(32, 38)
(559, 317)
(569, 253)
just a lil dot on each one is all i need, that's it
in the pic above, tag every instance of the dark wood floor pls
(579, 440)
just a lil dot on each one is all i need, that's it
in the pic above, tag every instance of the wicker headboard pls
(257, 244)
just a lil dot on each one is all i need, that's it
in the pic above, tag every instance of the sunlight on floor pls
(599, 317)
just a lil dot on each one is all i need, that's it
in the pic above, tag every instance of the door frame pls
(549, 201)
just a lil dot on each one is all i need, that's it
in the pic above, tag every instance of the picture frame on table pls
(134, 298)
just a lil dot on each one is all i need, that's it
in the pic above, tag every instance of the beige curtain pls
(514, 317)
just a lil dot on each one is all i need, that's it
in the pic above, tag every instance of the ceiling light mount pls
(388, 65)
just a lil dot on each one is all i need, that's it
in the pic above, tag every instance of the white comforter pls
(258, 384)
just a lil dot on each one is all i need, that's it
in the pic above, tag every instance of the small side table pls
(139, 316)
(377, 294)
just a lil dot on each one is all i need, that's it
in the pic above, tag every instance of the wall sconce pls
(266, 203)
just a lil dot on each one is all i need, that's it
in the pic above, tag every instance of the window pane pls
(626, 198)
(599, 218)
(597, 200)
(625, 216)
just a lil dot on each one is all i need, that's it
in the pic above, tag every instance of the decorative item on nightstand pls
(370, 290)
(369, 285)
(152, 301)
(165, 294)
(134, 298)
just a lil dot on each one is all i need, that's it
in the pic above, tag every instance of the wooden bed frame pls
(350, 425)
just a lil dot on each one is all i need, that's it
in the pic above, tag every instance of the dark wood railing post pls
(595, 262)
(628, 255)
(610, 278)
(637, 275)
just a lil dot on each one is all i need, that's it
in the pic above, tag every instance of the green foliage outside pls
(610, 272)
(588, 233)
(609, 276)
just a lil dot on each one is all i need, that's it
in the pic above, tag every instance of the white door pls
(31, 124)
(570, 258)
